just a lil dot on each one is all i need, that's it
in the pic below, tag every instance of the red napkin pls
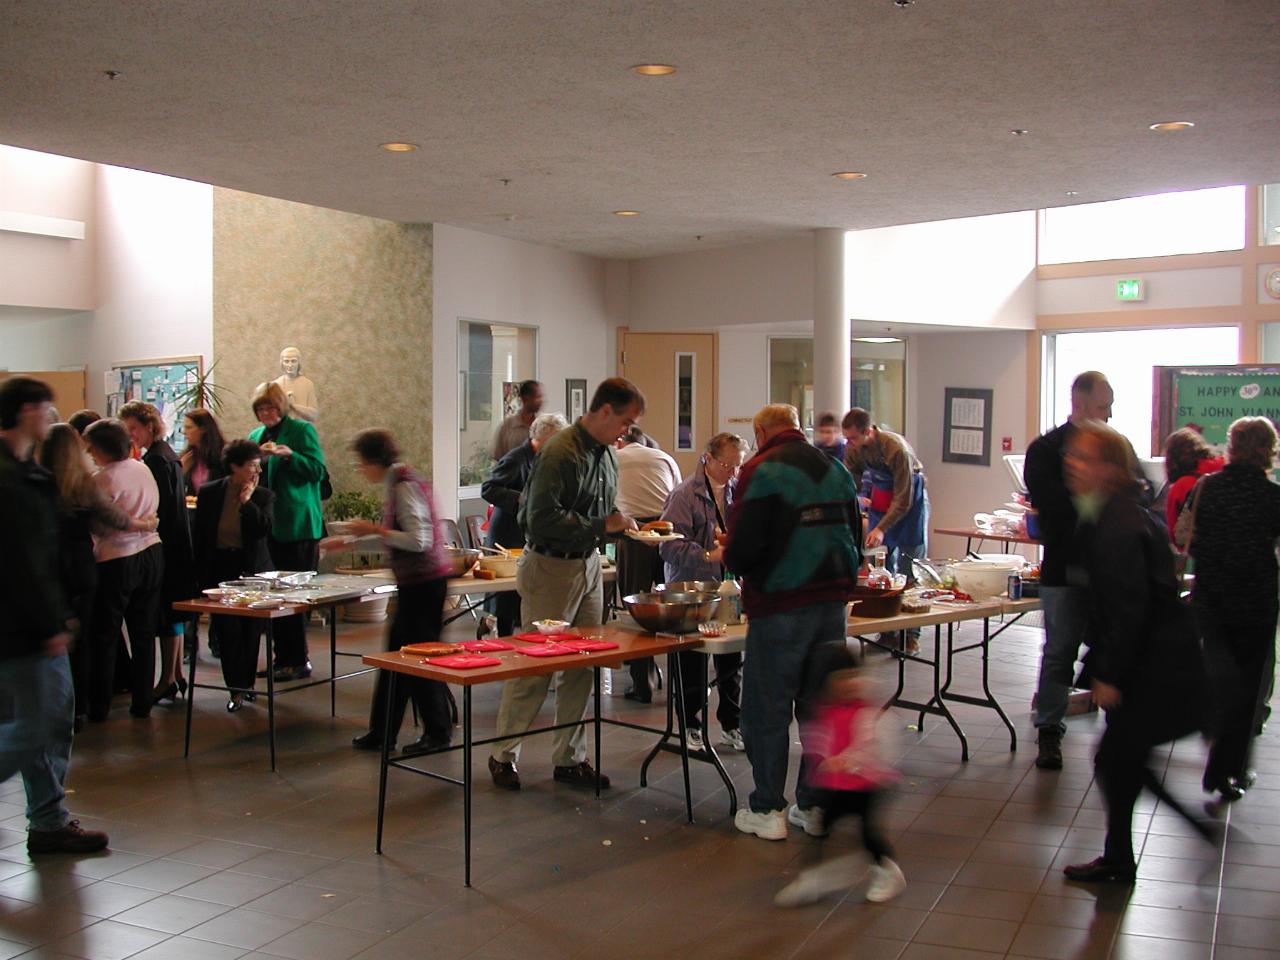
(486, 646)
(464, 661)
(586, 643)
(546, 637)
(548, 650)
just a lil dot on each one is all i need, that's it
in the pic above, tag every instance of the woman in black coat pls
(1144, 656)
(233, 522)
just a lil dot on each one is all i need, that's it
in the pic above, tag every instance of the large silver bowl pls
(460, 561)
(689, 586)
(672, 611)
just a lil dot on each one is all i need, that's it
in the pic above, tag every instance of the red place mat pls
(486, 646)
(587, 643)
(546, 637)
(548, 650)
(464, 661)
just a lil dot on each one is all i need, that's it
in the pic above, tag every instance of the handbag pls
(1185, 526)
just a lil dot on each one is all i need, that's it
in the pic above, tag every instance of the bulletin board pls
(168, 383)
(966, 430)
(1210, 398)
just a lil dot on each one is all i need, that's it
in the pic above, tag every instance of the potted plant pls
(354, 505)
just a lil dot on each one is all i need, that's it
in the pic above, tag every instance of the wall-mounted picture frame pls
(575, 398)
(966, 428)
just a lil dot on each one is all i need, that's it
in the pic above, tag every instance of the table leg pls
(986, 684)
(191, 694)
(466, 782)
(675, 685)
(596, 696)
(386, 754)
(333, 660)
(271, 691)
(707, 748)
(667, 734)
(937, 691)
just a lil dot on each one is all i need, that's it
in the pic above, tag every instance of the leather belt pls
(559, 554)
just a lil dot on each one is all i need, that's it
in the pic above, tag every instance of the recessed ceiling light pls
(875, 339)
(626, 213)
(1019, 131)
(849, 175)
(1171, 126)
(1073, 193)
(653, 69)
(399, 146)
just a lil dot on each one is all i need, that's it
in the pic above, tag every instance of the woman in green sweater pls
(293, 466)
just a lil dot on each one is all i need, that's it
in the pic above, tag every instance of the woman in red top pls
(1187, 458)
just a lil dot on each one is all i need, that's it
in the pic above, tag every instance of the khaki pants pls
(569, 590)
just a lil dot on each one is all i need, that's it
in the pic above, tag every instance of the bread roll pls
(659, 526)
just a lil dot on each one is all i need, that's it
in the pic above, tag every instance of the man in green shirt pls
(566, 512)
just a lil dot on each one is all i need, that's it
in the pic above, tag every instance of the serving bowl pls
(984, 579)
(548, 627)
(500, 561)
(689, 586)
(672, 611)
(460, 561)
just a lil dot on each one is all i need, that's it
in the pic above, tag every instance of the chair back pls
(475, 530)
(452, 535)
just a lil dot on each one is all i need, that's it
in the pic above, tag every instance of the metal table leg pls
(676, 686)
(191, 695)
(271, 691)
(333, 660)
(386, 753)
(596, 698)
(466, 781)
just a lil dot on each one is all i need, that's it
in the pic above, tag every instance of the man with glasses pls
(699, 508)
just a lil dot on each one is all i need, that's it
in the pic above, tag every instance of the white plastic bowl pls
(548, 627)
(983, 579)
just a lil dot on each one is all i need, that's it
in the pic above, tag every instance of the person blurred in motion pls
(828, 437)
(1236, 524)
(232, 524)
(130, 574)
(699, 509)
(646, 477)
(851, 774)
(793, 537)
(82, 509)
(81, 419)
(1144, 654)
(294, 468)
(515, 428)
(147, 431)
(35, 677)
(502, 489)
(1065, 605)
(410, 532)
(1187, 458)
(202, 458)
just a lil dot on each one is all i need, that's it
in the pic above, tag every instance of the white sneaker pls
(887, 881)
(694, 736)
(767, 826)
(810, 820)
(732, 739)
(820, 881)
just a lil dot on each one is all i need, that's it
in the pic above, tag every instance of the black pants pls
(506, 607)
(693, 671)
(639, 568)
(291, 632)
(82, 588)
(128, 594)
(239, 638)
(1239, 658)
(867, 804)
(418, 617)
(1121, 766)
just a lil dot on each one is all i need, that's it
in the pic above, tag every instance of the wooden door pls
(677, 374)
(67, 386)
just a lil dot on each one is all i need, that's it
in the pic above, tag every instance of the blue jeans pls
(1065, 613)
(898, 560)
(36, 713)
(777, 678)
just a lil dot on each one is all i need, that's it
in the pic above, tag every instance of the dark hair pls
(1183, 452)
(376, 446)
(16, 393)
(856, 419)
(209, 450)
(619, 393)
(635, 434)
(1252, 440)
(528, 388)
(147, 415)
(239, 452)
(827, 420)
(82, 418)
(109, 436)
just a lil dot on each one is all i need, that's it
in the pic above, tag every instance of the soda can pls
(1015, 586)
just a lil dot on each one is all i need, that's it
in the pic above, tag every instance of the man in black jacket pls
(1064, 605)
(35, 676)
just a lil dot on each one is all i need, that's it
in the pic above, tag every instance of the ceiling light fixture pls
(399, 146)
(653, 69)
(626, 213)
(112, 74)
(1171, 126)
(1019, 131)
(849, 175)
(1073, 193)
(875, 340)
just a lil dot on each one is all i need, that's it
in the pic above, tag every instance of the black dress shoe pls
(369, 741)
(505, 776)
(639, 696)
(580, 775)
(425, 744)
(285, 674)
(1100, 870)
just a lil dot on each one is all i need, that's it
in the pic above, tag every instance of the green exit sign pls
(1131, 290)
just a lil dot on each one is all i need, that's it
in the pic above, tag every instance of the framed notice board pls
(1210, 398)
(167, 383)
(966, 429)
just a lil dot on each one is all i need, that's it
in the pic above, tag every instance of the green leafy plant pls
(202, 392)
(355, 505)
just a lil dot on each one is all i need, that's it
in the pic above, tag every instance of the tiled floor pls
(215, 858)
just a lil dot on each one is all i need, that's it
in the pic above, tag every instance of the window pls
(686, 401)
(492, 362)
(1270, 220)
(1195, 221)
(877, 378)
(1127, 357)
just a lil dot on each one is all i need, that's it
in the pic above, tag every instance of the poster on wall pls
(966, 432)
(575, 398)
(169, 384)
(1210, 398)
(510, 398)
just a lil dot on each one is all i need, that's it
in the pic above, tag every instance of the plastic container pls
(730, 601)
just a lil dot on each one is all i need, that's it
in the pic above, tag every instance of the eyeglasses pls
(729, 467)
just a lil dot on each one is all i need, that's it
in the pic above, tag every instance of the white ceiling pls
(291, 99)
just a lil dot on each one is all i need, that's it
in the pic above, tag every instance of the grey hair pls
(547, 425)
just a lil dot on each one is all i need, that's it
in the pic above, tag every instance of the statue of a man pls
(300, 390)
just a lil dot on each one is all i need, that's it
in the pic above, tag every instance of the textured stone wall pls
(351, 292)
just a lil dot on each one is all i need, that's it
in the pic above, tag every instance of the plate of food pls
(217, 593)
(656, 531)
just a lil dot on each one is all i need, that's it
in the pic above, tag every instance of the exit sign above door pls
(1131, 290)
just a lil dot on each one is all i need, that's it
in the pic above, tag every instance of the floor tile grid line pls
(1222, 873)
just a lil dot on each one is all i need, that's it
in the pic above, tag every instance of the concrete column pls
(831, 325)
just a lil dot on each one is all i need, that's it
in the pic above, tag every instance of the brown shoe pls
(581, 775)
(505, 776)
(70, 839)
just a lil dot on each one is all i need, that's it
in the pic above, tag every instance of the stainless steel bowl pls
(672, 611)
(460, 561)
(689, 586)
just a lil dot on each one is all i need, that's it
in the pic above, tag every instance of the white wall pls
(1166, 289)
(493, 279)
(974, 272)
(994, 360)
